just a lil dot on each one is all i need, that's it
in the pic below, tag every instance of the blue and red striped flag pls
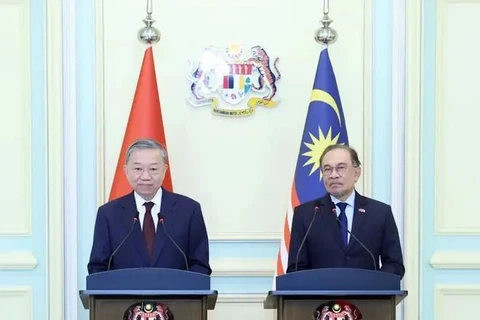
(324, 126)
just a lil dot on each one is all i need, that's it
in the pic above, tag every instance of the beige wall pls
(220, 161)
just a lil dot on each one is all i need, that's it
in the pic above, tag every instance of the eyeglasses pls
(341, 170)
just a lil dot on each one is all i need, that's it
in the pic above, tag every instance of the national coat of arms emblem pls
(148, 310)
(337, 310)
(233, 77)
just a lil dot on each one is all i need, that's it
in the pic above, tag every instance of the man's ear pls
(358, 173)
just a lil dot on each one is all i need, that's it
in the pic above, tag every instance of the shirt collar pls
(350, 200)
(156, 199)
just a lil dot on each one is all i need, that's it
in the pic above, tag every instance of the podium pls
(299, 294)
(124, 293)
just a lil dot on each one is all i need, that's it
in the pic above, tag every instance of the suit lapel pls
(358, 217)
(330, 218)
(167, 210)
(130, 210)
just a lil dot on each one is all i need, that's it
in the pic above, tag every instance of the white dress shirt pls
(157, 200)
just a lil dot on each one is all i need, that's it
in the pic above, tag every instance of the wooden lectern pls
(118, 294)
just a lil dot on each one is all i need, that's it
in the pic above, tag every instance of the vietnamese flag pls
(145, 122)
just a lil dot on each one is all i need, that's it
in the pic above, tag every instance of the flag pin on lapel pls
(361, 210)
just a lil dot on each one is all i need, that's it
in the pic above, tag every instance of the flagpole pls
(149, 6)
(149, 34)
(326, 35)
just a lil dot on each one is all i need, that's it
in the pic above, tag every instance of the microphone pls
(354, 237)
(135, 220)
(174, 242)
(305, 237)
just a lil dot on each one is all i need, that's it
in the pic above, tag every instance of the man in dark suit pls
(328, 243)
(151, 214)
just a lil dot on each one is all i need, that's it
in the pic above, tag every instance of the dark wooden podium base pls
(300, 308)
(113, 308)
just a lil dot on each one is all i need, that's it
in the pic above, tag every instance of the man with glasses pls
(344, 229)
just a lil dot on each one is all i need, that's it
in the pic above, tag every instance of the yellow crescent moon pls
(323, 96)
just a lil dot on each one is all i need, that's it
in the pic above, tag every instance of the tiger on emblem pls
(266, 78)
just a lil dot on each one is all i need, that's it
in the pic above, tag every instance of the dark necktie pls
(343, 222)
(149, 228)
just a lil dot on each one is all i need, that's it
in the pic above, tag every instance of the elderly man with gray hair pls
(150, 227)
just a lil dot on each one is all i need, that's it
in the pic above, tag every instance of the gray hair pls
(147, 144)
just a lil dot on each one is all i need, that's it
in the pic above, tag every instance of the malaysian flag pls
(324, 126)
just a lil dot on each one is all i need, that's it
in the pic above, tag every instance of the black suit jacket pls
(373, 224)
(183, 221)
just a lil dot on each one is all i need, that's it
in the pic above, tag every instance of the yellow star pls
(316, 149)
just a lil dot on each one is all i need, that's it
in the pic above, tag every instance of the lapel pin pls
(361, 210)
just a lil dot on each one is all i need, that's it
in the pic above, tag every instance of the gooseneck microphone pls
(160, 219)
(354, 237)
(305, 237)
(135, 220)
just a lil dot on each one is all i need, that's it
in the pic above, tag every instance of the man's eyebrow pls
(340, 163)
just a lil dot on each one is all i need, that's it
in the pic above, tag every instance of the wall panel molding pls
(71, 152)
(100, 102)
(243, 267)
(241, 306)
(15, 125)
(398, 117)
(54, 184)
(456, 260)
(455, 301)
(241, 298)
(366, 178)
(413, 181)
(452, 217)
(18, 299)
(459, 1)
(17, 261)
